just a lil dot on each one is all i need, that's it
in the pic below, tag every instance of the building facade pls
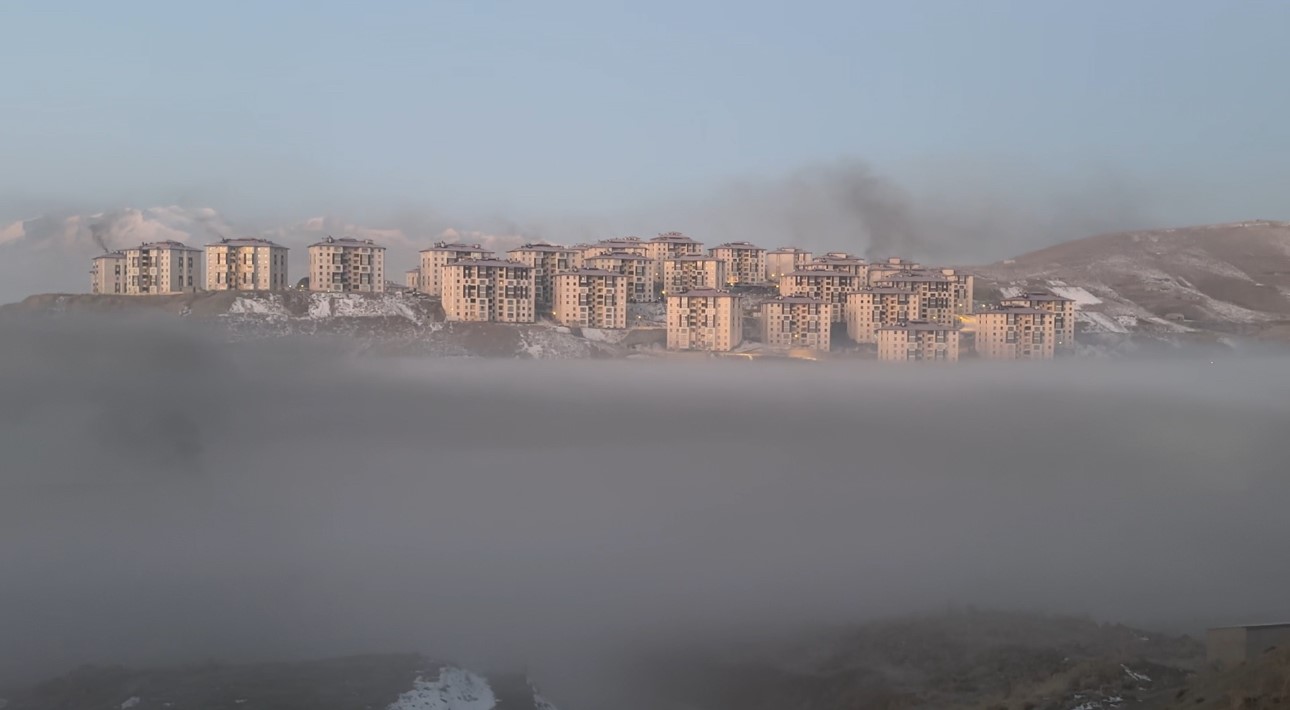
(546, 260)
(687, 273)
(936, 293)
(797, 322)
(669, 245)
(784, 261)
(341, 265)
(1015, 333)
(155, 268)
(1233, 645)
(882, 270)
(494, 290)
(591, 298)
(823, 284)
(246, 265)
(412, 279)
(706, 319)
(918, 340)
(108, 273)
(842, 261)
(442, 253)
(871, 308)
(745, 263)
(1063, 310)
(636, 267)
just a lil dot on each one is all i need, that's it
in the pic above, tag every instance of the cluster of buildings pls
(169, 267)
(799, 301)
(789, 298)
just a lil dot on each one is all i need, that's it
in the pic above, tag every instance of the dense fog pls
(167, 498)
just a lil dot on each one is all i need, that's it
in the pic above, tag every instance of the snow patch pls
(456, 689)
(1100, 322)
(1080, 296)
(268, 306)
(130, 703)
(1140, 677)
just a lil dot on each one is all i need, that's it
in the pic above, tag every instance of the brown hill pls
(1226, 278)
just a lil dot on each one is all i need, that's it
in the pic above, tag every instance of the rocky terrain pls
(965, 660)
(1193, 283)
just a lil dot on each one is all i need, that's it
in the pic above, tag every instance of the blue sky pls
(494, 106)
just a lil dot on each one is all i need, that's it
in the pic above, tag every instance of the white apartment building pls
(636, 267)
(842, 261)
(345, 264)
(591, 298)
(162, 267)
(745, 263)
(1015, 333)
(687, 273)
(107, 273)
(871, 308)
(631, 245)
(246, 265)
(937, 293)
(797, 322)
(784, 261)
(412, 279)
(441, 253)
(546, 260)
(918, 340)
(707, 319)
(881, 270)
(1063, 314)
(494, 290)
(821, 283)
(670, 245)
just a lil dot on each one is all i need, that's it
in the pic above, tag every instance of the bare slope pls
(1226, 278)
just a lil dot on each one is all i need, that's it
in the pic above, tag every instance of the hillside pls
(396, 323)
(1226, 279)
(393, 682)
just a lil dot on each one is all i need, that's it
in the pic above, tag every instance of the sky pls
(515, 110)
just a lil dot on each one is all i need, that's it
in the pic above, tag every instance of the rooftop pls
(914, 277)
(167, 244)
(738, 245)
(1016, 310)
(1039, 296)
(673, 237)
(790, 250)
(455, 246)
(542, 246)
(619, 255)
(246, 242)
(110, 255)
(346, 242)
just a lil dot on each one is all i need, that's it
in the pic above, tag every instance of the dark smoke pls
(98, 232)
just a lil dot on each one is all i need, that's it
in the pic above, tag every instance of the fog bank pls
(165, 498)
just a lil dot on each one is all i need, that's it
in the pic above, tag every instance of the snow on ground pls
(600, 335)
(1080, 296)
(456, 689)
(269, 306)
(542, 703)
(1140, 677)
(1100, 322)
(130, 703)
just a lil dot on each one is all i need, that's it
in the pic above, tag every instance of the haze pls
(168, 498)
(997, 126)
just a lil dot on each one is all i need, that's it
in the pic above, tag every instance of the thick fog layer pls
(165, 498)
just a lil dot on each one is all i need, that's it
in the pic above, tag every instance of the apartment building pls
(821, 283)
(440, 254)
(687, 273)
(936, 293)
(631, 245)
(842, 261)
(591, 298)
(636, 267)
(246, 265)
(495, 290)
(871, 308)
(783, 261)
(671, 245)
(745, 263)
(345, 264)
(706, 319)
(918, 340)
(163, 267)
(412, 279)
(797, 322)
(1063, 314)
(881, 270)
(107, 273)
(546, 260)
(1015, 333)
